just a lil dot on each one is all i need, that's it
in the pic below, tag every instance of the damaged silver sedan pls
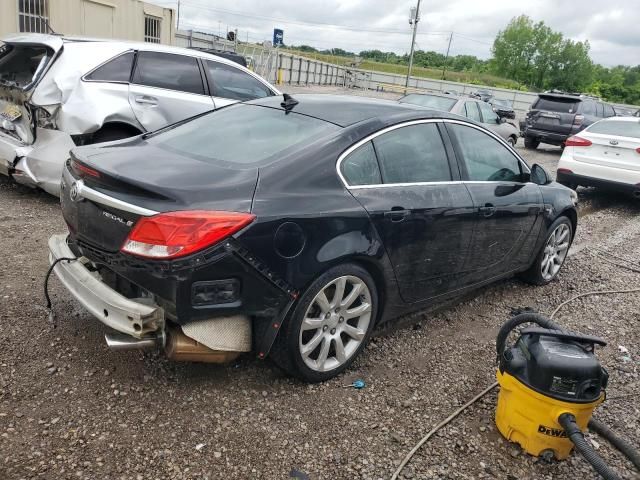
(57, 93)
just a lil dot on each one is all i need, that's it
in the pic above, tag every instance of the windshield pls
(503, 103)
(242, 134)
(617, 128)
(431, 101)
(557, 104)
(20, 65)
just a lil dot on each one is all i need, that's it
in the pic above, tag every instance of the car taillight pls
(638, 149)
(564, 170)
(578, 119)
(576, 141)
(84, 170)
(176, 234)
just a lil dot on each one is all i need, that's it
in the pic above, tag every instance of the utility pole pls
(413, 20)
(178, 22)
(444, 67)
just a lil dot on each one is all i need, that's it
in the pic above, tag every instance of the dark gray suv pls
(554, 117)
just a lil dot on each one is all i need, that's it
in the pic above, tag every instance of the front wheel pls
(554, 252)
(512, 141)
(329, 326)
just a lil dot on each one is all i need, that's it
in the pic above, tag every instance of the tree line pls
(532, 54)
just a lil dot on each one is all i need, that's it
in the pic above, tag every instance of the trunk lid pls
(24, 59)
(132, 179)
(553, 113)
(609, 151)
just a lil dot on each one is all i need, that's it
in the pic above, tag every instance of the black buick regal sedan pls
(292, 227)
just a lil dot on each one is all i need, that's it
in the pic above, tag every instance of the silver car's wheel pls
(555, 251)
(335, 323)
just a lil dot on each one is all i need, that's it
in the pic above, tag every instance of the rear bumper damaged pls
(38, 165)
(125, 315)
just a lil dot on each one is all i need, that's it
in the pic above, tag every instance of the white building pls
(118, 19)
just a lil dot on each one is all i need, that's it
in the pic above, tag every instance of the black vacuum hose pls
(620, 443)
(527, 317)
(568, 422)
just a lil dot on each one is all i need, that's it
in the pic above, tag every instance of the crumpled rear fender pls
(41, 165)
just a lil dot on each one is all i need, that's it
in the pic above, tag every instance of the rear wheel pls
(531, 143)
(512, 140)
(329, 326)
(554, 252)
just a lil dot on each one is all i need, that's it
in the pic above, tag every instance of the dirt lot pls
(69, 408)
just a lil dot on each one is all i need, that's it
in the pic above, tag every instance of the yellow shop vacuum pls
(550, 383)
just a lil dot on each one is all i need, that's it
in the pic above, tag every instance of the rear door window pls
(589, 108)
(231, 82)
(485, 158)
(360, 167)
(557, 104)
(170, 71)
(412, 154)
(471, 111)
(115, 70)
(599, 110)
(21, 65)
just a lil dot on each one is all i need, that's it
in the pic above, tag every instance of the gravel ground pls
(69, 408)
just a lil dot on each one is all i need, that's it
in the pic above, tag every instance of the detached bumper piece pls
(134, 318)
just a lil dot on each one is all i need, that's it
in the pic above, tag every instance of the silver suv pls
(58, 92)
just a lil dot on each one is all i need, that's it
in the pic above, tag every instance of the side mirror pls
(539, 175)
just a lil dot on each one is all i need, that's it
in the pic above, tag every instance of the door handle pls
(397, 214)
(146, 100)
(488, 210)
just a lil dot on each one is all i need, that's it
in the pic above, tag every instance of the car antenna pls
(289, 102)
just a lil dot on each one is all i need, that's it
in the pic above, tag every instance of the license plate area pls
(11, 112)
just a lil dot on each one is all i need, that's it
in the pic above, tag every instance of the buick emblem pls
(73, 192)
(613, 142)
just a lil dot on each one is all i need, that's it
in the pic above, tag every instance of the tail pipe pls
(636, 193)
(120, 342)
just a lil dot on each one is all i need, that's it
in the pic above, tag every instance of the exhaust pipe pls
(177, 347)
(636, 193)
(120, 342)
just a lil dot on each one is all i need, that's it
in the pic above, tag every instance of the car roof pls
(346, 110)
(124, 44)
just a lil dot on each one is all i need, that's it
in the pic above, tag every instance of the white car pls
(605, 154)
(60, 92)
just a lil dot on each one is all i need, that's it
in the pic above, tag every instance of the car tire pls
(552, 254)
(512, 140)
(531, 143)
(329, 325)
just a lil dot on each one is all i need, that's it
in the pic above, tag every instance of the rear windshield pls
(617, 128)
(432, 101)
(243, 134)
(20, 65)
(557, 104)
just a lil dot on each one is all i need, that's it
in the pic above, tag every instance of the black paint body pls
(308, 221)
